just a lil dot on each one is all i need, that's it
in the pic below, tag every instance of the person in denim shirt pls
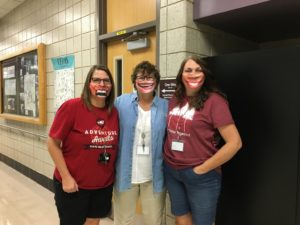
(139, 167)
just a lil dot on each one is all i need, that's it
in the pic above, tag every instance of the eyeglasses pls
(97, 80)
(190, 70)
(142, 78)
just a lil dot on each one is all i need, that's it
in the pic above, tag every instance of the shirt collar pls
(134, 98)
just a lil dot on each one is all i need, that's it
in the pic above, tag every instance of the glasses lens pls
(99, 80)
(141, 78)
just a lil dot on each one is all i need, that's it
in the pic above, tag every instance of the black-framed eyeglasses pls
(142, 78)
(97, 80)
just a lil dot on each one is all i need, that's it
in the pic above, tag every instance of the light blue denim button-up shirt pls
(127, 105)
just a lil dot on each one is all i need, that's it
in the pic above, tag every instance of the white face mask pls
(192, 76)
(145, 84)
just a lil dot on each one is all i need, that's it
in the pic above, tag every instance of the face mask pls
(193, 82)
(145, 86)
(98, 90)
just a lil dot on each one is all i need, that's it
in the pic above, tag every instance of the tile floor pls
(24, 202)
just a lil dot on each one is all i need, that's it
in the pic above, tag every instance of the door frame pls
(117, 81)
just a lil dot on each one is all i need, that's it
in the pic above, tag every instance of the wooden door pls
(122, 15)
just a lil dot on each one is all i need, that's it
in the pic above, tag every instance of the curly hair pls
(146, 68)
(202, 95)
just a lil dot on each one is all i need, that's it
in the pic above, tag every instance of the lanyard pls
(144, 122)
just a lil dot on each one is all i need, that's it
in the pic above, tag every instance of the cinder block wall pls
(66, 27)
(180, 36)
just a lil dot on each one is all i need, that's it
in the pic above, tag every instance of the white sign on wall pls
(64, 79)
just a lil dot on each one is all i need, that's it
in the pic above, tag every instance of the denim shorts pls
(193, 193)
(74, 208)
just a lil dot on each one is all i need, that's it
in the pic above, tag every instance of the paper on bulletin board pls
(64, 79)
(29, 94)
(8, 72)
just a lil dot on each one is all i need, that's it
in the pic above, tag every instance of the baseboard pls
(28, 172)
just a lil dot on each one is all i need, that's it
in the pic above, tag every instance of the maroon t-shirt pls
(85, 135)
(192, 132)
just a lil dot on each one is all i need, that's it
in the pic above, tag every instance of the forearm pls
(58, 158)
(223, 155)
(68, 183)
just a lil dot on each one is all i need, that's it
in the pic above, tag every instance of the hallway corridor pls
(24, 202)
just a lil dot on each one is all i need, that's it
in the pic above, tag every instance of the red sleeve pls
(63, 120)
(220, 112)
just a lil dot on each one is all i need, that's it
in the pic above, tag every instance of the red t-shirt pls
(85, 135)
(193, 131)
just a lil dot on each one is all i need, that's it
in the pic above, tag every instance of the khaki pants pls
(152, 205)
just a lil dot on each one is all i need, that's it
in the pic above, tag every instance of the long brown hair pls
(202, 95)
(86, 93)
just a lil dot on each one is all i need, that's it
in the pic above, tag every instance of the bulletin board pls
(23, 94)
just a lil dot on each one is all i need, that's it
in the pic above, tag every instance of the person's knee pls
(184, 219)
(92, 221)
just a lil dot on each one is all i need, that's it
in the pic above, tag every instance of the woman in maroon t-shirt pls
(198, 115)
(83, 143)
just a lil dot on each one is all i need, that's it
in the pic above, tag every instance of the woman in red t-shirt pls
(83, 143)
(198, 113)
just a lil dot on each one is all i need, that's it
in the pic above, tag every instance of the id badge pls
(143, 150)
(177, 146)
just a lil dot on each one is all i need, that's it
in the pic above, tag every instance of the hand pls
(199, 170)
(69, 185)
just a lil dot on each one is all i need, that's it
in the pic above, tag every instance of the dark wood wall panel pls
(260, 185)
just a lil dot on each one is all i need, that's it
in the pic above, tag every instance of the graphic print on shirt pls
(100, 137)
(178, 118)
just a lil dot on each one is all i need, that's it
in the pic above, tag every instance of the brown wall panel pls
(128, 13)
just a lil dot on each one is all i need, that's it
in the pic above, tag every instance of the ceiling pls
(7, 5)
(255, 20)
(261, 21)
